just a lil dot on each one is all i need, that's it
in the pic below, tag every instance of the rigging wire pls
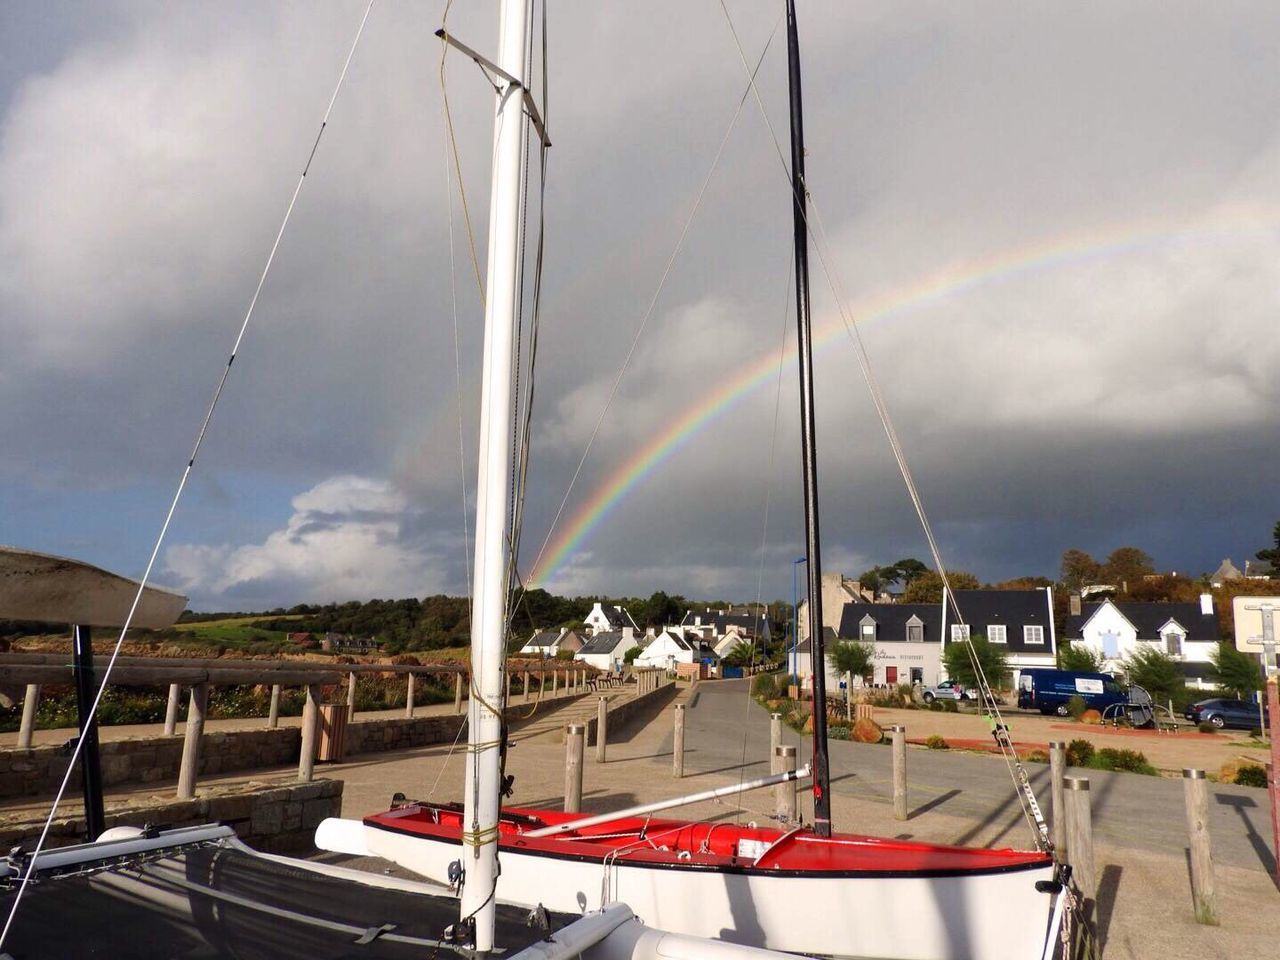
(186, 475)
(653, 303)
(764, 526)
(1026, 796)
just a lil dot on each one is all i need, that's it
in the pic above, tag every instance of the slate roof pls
(605, 642)
(1226, 571)
(753, 623)
(544, 638)
(891, 620)
(617, 616)
(1148, 618)
(1013, 608)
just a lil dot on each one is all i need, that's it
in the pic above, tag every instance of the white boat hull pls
(993, 916)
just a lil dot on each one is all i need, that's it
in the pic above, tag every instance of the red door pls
(890, 674)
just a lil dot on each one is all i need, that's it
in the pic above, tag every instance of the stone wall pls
(267, 817)
(637, 708)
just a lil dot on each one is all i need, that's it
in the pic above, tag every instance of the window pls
(868, 630)
(997, 633)
(1173, 643)
(915, 633)
(1033, 634)
(959, 631)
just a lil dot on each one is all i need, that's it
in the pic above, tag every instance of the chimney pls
(1206, 604)
(628, 633)
(649, 632)
(1075, 605)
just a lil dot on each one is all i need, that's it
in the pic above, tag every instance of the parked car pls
(1222, 712)
(1050, 691)
(949, 690)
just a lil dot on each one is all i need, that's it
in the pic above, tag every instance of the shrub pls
(1128, 760)
(839, 732)
(1036, 756)
(1251, 776)
(1079, 753)
(1207, 727)
(1076, 706)
(937, 706)
(950, 706)
(769, 686)
(937, 742)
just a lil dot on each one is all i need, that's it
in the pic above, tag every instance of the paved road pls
(1129, 810)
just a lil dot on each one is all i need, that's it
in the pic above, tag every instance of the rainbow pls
(891, 304)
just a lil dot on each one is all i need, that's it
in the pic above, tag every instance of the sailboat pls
(796, 888)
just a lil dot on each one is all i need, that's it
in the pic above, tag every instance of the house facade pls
(608, 617)
(907, 638)
(1188, 632)
(548, 643)
(1021, 621)
(837, 592)
(714, 626)
(673, 646)
(606, 650)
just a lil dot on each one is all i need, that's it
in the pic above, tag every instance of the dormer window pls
(1033, 634)
(868, 630)
(959, 631)
(997, 633)
(1173, 643)
(915, 630)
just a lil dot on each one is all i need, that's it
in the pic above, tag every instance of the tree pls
(1079, 657)
(1172, 589)
(1126, 565)
(853, 657)
(1079, 569)
(1235, 670)
(1272, 556)
(1023, 583)
(927, 587)
(742, 654)
(958, 657)
(1155, 671)
(909, 570)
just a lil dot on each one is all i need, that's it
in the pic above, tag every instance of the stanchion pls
(189, 770)
(574, 741)
(1202, 892)
(677, 740)
(1058, 770)
(1080, 835)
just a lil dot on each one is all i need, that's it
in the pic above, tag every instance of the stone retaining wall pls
(624, 713)
(267, 817)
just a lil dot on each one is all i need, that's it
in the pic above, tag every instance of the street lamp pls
(795, 636)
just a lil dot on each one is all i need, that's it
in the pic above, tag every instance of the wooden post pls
(1273, 774)
(273, 714)
(30, 704)
(351, 696)
(574, 742)
(1080, 835)
(899, 772)
(784, 794)
(775, 741)
(310, 721)
(189, 771)
(555, 683)
(602, 727)
(457, 693)
(408, 698)
(1202, 892)
(171, 709)
(848, 695)
(508, 686)
(1058, 770)
(677, 740)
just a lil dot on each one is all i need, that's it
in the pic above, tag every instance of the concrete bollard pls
(30, 704)
(1079, 816)
(602, 728)
(555, 683)
(408, 697)
(189, 771)
(677, 743)
(574, 743)
(171, 709)
(899, 772)
(1203, 896)
(310, 729)
(775, 741)
(351, 696)
(457, 693)
(273, 712)
(784, 794)
(1058, 770)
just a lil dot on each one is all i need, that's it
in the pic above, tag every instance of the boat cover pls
(219, 900)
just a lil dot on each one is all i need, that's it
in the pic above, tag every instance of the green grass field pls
(234, 631)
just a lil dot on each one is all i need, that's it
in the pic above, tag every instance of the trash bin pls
(333, 733)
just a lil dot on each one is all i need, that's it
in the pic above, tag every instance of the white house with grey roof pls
(1115, 630)
(606, 650)
(714, 626)
(548, 643)
(673, 646)
(606, 617)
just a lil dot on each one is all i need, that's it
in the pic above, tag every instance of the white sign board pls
(1085, 685)
(1251, 616)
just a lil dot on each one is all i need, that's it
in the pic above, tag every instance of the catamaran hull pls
(988, 915)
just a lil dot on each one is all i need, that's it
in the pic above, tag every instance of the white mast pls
(493, 482)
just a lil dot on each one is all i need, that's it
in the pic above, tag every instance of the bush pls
(1130, 761)
(1251, 776)
(1079, 753)
(950, 706)
(937, 706)
(937, 742)
(769, 686)
(1036, 756)
(1076, 706)
(839, 731)
(1207, 727)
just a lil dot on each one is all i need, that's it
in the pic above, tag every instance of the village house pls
(673, 646)
(548, 643)
(1188, 632)
(607, 650)
(608, 617)
(837, 592)
(1019, 620)
(715, 626)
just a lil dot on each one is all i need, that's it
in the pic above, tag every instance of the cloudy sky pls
(1058, 226)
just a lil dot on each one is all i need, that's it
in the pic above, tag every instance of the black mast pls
(821, 767)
